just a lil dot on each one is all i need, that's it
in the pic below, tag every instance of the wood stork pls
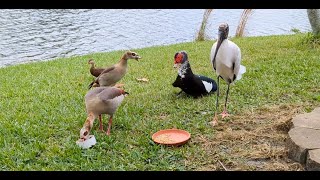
(225, 58)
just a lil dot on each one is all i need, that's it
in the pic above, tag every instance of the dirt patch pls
(255, 140)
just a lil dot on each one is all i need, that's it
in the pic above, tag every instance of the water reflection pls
(36, 34)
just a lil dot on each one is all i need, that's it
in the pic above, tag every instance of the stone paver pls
(310, 120)
(313, 160)
(304, 140)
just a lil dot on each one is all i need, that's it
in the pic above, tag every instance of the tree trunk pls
(314, 19)
(242, 22)
(202, 31)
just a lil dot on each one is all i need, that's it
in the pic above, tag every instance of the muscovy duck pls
(192, 84)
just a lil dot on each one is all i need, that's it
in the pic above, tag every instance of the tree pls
(243, 21)
(201, 33)
(314, 19)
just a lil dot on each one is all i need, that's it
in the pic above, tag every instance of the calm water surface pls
(35, 34)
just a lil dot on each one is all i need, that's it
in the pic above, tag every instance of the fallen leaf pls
(143, 79)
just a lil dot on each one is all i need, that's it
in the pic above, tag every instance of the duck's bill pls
(176, 65)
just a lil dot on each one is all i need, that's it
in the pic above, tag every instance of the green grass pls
(42, 105)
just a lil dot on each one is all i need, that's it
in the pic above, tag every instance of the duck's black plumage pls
(192, 84)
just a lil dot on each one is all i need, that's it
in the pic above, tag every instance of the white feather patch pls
(207, 85)
(242, 70)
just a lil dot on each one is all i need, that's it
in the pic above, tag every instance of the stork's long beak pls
(221, 35)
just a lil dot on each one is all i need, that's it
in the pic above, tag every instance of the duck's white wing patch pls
(207, 85)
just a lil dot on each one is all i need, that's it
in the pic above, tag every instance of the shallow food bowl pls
(174, 137)
(85, 144)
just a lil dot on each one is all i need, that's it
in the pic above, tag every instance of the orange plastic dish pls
(174, 137)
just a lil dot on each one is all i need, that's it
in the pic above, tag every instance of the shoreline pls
(44, 60)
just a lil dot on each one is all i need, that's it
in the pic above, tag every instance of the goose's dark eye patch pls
(133, 54)
(85, 133)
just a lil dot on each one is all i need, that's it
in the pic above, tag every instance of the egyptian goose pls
(94, 70)
(225, 58)
(111, 75)
(192, 84)
(101, 100)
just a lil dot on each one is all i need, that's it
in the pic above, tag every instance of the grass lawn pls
(42, 110)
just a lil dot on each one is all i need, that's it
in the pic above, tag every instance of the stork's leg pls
(100, 123)
(215, 118)
(225, 113)
(109, 126)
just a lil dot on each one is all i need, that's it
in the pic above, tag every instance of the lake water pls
(36, 34)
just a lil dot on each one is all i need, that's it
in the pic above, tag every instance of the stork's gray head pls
(223, 31)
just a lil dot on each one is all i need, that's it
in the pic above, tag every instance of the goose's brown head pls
(84, 133)
(132, 55)
(122, 91)
(90, 61)
(85, 130)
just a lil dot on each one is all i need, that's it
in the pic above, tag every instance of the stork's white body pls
(226, 63)
(228, 54)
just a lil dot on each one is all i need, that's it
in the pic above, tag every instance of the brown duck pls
(94, 70)
(111, 75)
(101, 100)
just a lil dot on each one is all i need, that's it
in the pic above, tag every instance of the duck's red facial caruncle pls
(178, 60)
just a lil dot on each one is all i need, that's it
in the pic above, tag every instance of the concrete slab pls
(313, 160)
(305, 137)
(308, 120)
(304, 140)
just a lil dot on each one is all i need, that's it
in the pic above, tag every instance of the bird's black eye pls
(133, 54)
